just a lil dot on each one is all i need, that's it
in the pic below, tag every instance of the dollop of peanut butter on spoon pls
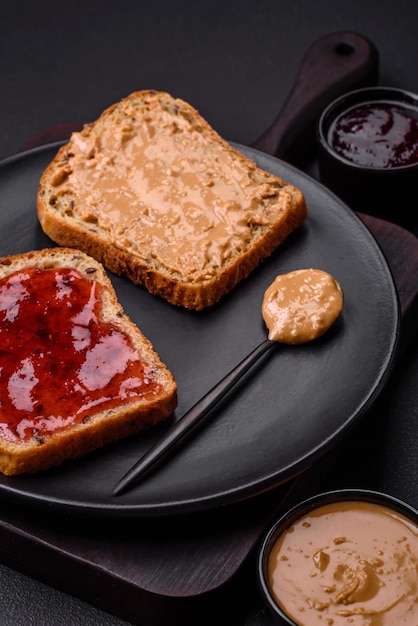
(300, 306)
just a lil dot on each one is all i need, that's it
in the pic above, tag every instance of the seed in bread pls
(76, 372)
(154, 193)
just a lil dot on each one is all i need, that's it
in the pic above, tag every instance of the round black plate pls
(291, 408)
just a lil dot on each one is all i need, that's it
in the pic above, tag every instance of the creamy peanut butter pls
(301, 305)
(347, 564)
(166, 192)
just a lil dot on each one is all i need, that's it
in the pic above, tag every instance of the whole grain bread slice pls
(153, 192)
(76, 372)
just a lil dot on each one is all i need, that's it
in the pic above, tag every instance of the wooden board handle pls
(333, 65)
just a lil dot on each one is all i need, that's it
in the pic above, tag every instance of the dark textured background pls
(236, 62)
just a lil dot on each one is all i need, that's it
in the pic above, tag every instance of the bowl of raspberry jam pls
(368, 152)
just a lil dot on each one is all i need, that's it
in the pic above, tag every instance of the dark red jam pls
(59, 361)
(377, 134)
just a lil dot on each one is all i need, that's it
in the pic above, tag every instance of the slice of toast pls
(76, 372)
(153, 192)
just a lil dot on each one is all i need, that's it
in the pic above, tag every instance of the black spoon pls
(298, 307)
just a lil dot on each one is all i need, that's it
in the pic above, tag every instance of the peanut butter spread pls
(166, 192)
(301, 305)
(350, 563)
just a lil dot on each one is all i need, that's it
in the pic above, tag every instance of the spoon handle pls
(178, 431)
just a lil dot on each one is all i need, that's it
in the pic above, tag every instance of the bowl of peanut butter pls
(342, 558)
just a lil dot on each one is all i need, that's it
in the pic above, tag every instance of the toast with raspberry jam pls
(76, 373)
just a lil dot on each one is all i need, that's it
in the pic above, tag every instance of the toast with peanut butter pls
(76, 372)
(153, 192)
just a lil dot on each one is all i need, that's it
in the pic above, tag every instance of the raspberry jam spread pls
(60, 362)
(377, 134)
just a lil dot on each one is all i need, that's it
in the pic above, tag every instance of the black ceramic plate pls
(292, 407)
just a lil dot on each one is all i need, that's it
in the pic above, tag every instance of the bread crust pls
(127, 418)
(284, 204)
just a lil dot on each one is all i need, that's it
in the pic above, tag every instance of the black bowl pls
(386, 190)
(279, 527)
